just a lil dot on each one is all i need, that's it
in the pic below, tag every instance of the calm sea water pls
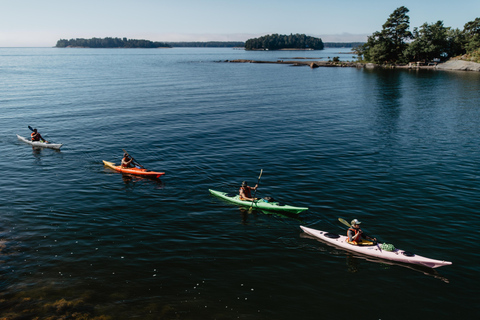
(396, 149)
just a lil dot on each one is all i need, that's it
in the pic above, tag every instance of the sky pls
(41, 23)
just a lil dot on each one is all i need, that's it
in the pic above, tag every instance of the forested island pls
(280, 41)
(109, 43)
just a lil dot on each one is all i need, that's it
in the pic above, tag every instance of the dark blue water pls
(397, 150)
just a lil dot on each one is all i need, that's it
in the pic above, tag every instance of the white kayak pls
(40, 144)
(375, 250)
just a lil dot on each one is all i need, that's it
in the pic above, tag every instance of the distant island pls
(135, 43)
(283, 42)
(109, 43)
(342, 44)
(207, 44)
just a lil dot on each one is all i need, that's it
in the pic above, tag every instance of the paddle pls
(34, 130)
(258, 181)
(135, 161)
(344, 222)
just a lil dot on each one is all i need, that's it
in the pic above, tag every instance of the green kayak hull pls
(258, 204)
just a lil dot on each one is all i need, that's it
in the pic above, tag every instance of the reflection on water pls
(132, 181)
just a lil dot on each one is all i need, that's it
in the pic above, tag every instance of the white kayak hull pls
(40, 144)
(375, 250)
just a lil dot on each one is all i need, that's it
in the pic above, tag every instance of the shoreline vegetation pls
(431, 43)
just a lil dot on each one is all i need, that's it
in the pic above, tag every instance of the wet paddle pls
(135, 161)
(258, 182)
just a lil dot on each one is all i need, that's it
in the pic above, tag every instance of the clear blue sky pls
(37, 23)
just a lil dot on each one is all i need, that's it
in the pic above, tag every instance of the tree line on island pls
(395, 44)
(110, 43)
(280, 41)
(135, 43)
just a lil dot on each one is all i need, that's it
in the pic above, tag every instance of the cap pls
(355, 221)
(244, 183)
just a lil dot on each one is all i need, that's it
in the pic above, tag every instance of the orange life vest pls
(35, 136)
(359, 238)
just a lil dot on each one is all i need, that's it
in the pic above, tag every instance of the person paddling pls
(127, 161)
(355, 234)
(36, 136)
(245, 193)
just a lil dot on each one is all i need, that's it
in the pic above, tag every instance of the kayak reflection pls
(255, 213)
(131, 181)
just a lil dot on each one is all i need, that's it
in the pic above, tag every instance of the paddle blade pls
(30, 128)
(344, 222)
(261, 171)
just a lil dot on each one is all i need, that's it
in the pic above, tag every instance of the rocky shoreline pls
(452, 65)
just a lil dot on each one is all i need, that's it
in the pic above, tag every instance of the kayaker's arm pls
(367, 237)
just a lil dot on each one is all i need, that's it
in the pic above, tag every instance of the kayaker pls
(245, 193)
(36, 136)
(355, 234)
(126, 161)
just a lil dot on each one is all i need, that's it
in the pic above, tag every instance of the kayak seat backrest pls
(331, 235)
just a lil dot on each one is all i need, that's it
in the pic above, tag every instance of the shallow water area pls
(396, 149)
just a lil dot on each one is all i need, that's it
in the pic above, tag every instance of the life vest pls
(246, 192)
(359, 238)
(35, 136)
(123, 163)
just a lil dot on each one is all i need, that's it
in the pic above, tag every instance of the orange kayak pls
(136, 171)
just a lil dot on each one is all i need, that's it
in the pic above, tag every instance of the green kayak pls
(258, 204)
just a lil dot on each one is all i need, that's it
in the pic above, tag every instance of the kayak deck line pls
(258, 204)
(135, 171)
(40, 144)
(375, 250)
